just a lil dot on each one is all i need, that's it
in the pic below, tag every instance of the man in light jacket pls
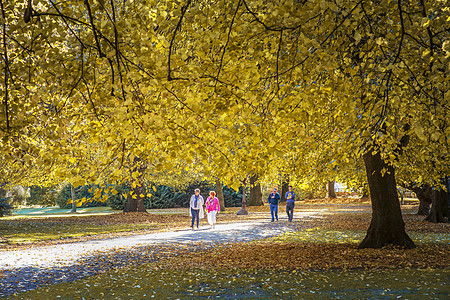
(196, 208)
(290, 203)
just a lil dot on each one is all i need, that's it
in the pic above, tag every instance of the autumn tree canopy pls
(91, 88)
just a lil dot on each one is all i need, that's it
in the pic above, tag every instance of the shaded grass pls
(148, 281)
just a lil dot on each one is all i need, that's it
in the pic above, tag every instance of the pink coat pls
(212, 204)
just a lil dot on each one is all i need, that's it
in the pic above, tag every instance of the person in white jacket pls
(196, 208)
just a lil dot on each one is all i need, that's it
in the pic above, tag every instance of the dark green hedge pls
(168, 197)
(163, 197)
(46, 196)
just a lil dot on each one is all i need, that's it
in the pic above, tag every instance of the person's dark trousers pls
(290, 210)
(274, 211)
(195, 215)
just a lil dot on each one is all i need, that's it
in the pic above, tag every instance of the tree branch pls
(94, 30)
(226, 44)
(183, 11)
(5, 58)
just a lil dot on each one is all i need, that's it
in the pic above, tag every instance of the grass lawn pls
(29, 232)
(56, 211)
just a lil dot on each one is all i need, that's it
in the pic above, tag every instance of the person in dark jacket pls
(274, 197)
(290, 203)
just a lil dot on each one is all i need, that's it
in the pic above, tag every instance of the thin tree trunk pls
(402, 195)
(284, 187)
(387, 226)
(331, 192)
(219, 191)
(74, 199)
(243, 210)
(255, 197)
(135, 200)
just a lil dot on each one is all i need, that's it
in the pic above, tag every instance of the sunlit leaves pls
(299, 85)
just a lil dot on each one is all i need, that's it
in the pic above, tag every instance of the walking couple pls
(274, 198)
(196, 208)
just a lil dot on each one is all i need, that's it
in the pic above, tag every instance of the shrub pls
(5, 207)
(45, 196)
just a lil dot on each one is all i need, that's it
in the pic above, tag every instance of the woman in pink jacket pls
(212, 208)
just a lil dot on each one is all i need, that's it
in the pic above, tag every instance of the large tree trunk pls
(220, 194)
(424, 194)
(74, 199)
(255, 197)
(438, 211)
(331, 192)
(243, 210)
(387, 226)
(135, 199)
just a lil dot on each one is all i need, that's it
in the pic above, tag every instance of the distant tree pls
(255, 197)
(331, 192)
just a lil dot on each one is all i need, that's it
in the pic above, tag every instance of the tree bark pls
(74, 199)
(387, 226)
(438, 211)
(447, 184)
(424, 194)
(135, 201)
(243, 210)
(219, 191)
(331, 192)
(284, 187)
(255, 198)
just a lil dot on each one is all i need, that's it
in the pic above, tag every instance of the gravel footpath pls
(27, 269)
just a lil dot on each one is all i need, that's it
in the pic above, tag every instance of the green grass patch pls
(318, 235)
(29, 231)
(56, 211)
(146, 281)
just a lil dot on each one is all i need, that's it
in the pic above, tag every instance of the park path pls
(26, 269)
